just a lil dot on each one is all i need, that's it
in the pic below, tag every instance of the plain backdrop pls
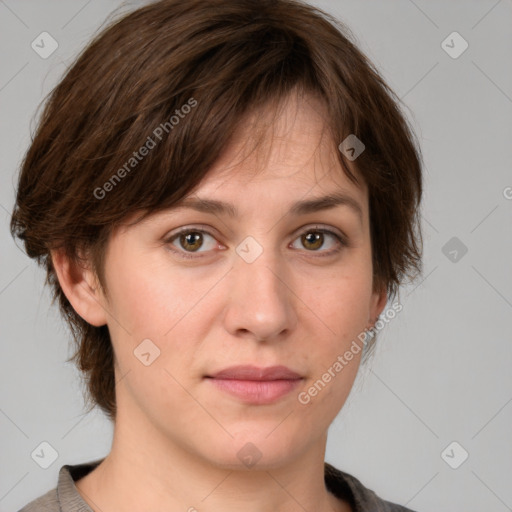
(442, 370)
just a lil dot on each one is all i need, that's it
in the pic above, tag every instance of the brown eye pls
(188, 242)
(313, 240)
(191, 241)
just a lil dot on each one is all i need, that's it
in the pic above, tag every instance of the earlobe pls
(379, 301)
(79, 284)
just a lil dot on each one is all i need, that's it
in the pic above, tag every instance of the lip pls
(255, 385)
(249, 372)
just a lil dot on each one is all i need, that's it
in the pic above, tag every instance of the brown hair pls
(221, 59)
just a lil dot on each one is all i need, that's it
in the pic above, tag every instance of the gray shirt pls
(66, 498)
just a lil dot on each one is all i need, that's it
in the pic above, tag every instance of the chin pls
(256, 448)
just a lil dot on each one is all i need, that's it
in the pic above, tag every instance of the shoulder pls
(48, 502)
(361, 498)
(64, 497)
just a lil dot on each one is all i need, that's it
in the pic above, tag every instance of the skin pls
(176, 436)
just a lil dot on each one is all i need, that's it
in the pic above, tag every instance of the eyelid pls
(337, 234)
(200, 228)
(323, 228)
(341, 238)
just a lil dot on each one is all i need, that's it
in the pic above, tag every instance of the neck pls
(146, 471)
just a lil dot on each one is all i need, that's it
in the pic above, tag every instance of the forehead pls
(288, 145)
(279, 157)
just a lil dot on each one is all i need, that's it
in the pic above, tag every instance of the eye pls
(190, 240)
(315, 238)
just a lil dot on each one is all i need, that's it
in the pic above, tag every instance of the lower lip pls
(256, 392)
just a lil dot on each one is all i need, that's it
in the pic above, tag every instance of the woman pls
(225, 197)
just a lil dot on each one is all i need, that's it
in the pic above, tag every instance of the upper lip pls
(249, 372)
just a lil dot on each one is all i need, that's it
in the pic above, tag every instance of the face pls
(263, 282)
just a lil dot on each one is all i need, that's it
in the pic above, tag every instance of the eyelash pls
(194, 255)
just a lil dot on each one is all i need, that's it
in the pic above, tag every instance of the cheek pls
(152, 300)
(340, 304)
(341, 301)
(133, 304)
(145, 299)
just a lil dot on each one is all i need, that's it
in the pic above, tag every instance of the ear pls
(81, 287)
(378, 303)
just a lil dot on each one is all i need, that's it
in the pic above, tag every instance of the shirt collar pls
(69, 498)
(343, 485)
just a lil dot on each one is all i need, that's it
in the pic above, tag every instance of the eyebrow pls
(304, 207)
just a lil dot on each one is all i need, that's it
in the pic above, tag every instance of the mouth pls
(254, 385)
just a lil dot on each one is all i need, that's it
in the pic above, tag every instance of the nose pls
(261, 303)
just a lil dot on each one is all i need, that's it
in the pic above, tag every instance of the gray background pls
(442, 370)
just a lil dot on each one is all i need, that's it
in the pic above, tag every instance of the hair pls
(195, 69)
